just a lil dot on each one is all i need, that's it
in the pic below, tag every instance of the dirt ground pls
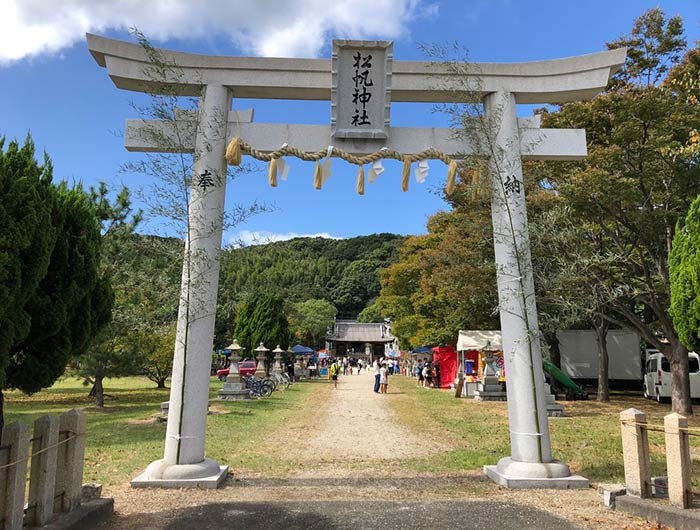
(347, 449)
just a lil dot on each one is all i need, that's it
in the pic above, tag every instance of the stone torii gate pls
(360, 81)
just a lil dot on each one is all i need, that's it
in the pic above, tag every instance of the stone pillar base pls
(552, 475)
(490, 396)
(233, 395)
(233, 391)
(205, 474)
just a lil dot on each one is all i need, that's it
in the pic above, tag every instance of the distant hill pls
(342, 271)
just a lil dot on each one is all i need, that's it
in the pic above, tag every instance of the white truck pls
(579, 356)
(657, 376)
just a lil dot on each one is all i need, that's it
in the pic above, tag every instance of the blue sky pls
(51, 86)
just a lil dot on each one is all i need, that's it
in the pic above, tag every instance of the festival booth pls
(423, 353)
(472, 344)
(302, 356)
(448, 364)
(323, 364)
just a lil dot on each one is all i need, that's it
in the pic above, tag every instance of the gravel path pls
(358, 425)
(345, 445)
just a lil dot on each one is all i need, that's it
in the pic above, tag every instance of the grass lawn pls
(124, 437)
(588, 440)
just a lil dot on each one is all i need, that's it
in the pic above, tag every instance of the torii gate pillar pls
(183, 463)
(531, 463)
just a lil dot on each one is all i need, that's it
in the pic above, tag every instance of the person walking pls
(383, 380)
(290, 368)
(437, 373)
(427, 374)
(334, 374)
(376, 368)
(419, 373)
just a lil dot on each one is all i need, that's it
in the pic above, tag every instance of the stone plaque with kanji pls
(361, 89)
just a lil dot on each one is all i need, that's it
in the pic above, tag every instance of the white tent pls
(479, 340)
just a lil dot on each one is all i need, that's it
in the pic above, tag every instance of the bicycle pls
(258, 387)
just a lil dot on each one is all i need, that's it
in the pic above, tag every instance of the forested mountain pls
(342, 271)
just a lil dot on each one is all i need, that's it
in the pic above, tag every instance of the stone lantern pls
(277, 367)
(234, 389)
(489, 389)
(236, 349)
(260, 354)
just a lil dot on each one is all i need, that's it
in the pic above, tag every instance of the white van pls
(657, 376)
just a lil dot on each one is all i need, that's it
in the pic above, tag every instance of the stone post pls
(15, 448)
(678, 461)
(184, 464)
(71, 458)
(635, 451)
(531, 455)
(42, 481)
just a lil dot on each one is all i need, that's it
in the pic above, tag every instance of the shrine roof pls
(360, 332)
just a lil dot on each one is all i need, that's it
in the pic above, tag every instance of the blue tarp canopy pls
(423, 349)
(298, 349)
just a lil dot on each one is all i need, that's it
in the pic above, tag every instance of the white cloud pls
(283, 28)
(245, 238)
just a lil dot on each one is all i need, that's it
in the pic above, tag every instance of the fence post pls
(635, 450)
(15, 437)
(71, 456)
(678, 460)
(42, 477)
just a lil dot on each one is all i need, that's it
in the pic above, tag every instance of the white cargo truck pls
(579, 356)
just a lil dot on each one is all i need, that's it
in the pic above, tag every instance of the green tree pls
(26, 242)
(684, 268)
(262, 319)
(311, 320)
(63, 302)
(633, 187)
(155, 352)
(109, 354)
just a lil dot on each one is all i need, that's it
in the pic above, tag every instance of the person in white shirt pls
(376, 367)
(382, 379)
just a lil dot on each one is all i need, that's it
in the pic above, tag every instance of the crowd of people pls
(426, 372)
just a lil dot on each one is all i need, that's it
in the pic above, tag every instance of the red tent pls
(448, 364)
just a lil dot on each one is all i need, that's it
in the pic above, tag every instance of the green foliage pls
(343, 272)
(631, 190)
(311, 319)
(373, 313)
(155, 352)
(359, 283)
(26, 240)
(61, 301)
(262, 319)
(684, 265)
(144, 273)
(629, 193)
(653, 46)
